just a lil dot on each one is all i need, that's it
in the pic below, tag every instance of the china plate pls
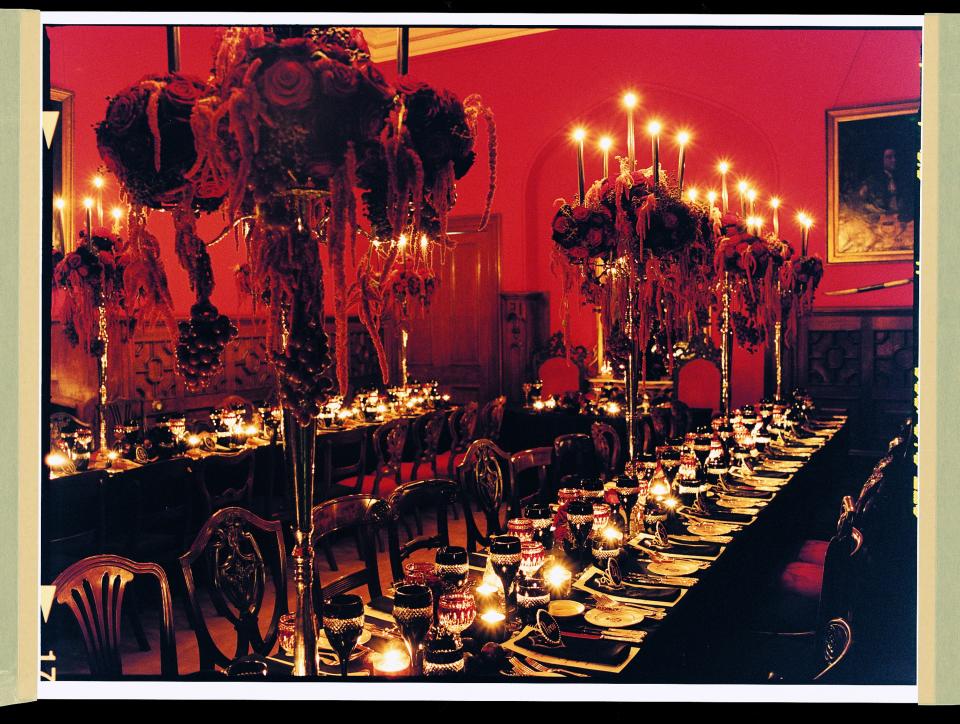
(708, 528)
(565, 608)
(620, 618)
(737, 502)
(676, 567)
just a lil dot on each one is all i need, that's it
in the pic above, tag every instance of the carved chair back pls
(490, 419)
(414, 496)
(606, 441)
(232, 556)
(360, 514)
(484, 478)
(575, 454)
(428, 428)
(227, 480)
(93, 589)
(536, 458)
(389, 441)
(344, 456)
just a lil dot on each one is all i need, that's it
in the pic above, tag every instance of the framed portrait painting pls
(872, 185)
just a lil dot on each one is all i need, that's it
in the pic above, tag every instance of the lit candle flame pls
(98, 182)
(424, 242)
(116, 213)
(742, 187)
(654, 128)
(59, 203)
(556, 576)
(88, 203)
(751, 195)
(692, 194)
(774, 203)
(605, 143)
(683, 138)
(711, 197)
(630, 100)
(579, 134)
(723, 167)
(402, 241)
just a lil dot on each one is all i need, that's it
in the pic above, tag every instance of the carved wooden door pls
(458, 341)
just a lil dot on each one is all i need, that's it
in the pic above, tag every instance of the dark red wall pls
(757, 97)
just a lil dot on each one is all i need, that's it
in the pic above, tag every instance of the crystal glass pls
(456, 611)
(532, 595)
(343, 624)
(444, 656)
(532, 557)
(452, 567)
(628, 491)
(670, 464)
(526, 386)
(413, 612)
(591, 488)
(605, 546)
(520, 527)
(542, 518)
(505, 556)
(286, 632)
(579, 522)
(601, 516)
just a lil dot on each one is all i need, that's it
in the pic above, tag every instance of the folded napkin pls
(588, 651)
(744, 492)
(701, 549)
(720, 516)
(562, 655)
(779, 474)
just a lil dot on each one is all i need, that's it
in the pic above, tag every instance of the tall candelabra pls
(726, 346)
(104, 340)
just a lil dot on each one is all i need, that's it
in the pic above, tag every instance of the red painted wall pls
(757, 97)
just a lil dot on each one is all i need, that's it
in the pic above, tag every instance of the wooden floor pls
(62, 635)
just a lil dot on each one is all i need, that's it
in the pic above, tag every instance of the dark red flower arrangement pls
(753, 265)
(92, 275)
(799, 279)
(409, 293)
(582, 233)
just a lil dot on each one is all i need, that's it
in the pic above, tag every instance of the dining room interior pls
(480, 354)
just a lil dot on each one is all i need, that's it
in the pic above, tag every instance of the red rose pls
(288, 84)
(562, 225)
(670, 220)
(73, 260)
(594, 238)
(742, 248)
(729, 251)
(578, 252)
(758, 248)
(581, 213)
(728, 219)
(124, 110)
(337, 79)
(183, 91)
(83, 271)
(610, 496)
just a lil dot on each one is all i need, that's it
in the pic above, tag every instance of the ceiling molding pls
(383, 41)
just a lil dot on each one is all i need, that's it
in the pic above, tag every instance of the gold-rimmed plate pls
(708, 528)
(673, 567)
(617, 618)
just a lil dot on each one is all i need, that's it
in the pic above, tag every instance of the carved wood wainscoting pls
(523, 320)
(864, 360)
(145, 369)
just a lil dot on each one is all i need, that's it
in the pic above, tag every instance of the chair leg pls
(328, 552)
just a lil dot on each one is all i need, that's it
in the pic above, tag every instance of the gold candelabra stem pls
(777, 346)
(104, 339)
(631, 379)
(726, 346)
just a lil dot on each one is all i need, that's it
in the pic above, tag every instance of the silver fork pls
(533, 663)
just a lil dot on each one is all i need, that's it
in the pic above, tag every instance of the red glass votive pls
(520, 527)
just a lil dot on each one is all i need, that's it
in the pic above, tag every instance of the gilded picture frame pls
(873, 186)
(62, 149)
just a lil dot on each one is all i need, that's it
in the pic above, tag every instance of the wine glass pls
(413, 612)
(505, 556)
(457, 611)
(526, 386)
(579, 524)
(532, 595)
(452, 567)
(520, 527)
(286, 632)
(444, 656)
(532, 557)
(670, 464)
(542, 518)
(343, 624)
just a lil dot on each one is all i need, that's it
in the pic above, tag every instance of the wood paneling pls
(523, 322)
(863, 359)
(458, 341)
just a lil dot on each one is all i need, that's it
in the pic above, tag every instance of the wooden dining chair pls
(575, 454)
(93, 588)
(361, 515)
(490, 419)
(418, 495)
(521, 492)
(427, 430)
(606, 442)
(462, 424)
(344, 456)
(389, 441)
(227, 479)
(484, 478)
(228, 564)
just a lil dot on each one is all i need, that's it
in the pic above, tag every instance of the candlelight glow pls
(670, 502)
(605, 143)
(711, 197)
(551, 403)
(98, 182)
(250, 429)
(630, 100)
(653, 128)
(55, 460)
(112, 455)
(59, 203)
(752, 195)
(392, 659)
(774, 203)
(88, 203)
(612, 535)
(424, 242)
(193, 440)
(402, 241)
(556, 576)
(683, 138)
(692, 194)
(579, 134)
(116, 213)
(492, 618)
(742, 187)
(376, 243)
(486, 589)
(723, 167)
(613, 408)
(538, 405)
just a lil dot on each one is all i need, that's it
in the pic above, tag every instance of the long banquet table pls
(677, 647)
